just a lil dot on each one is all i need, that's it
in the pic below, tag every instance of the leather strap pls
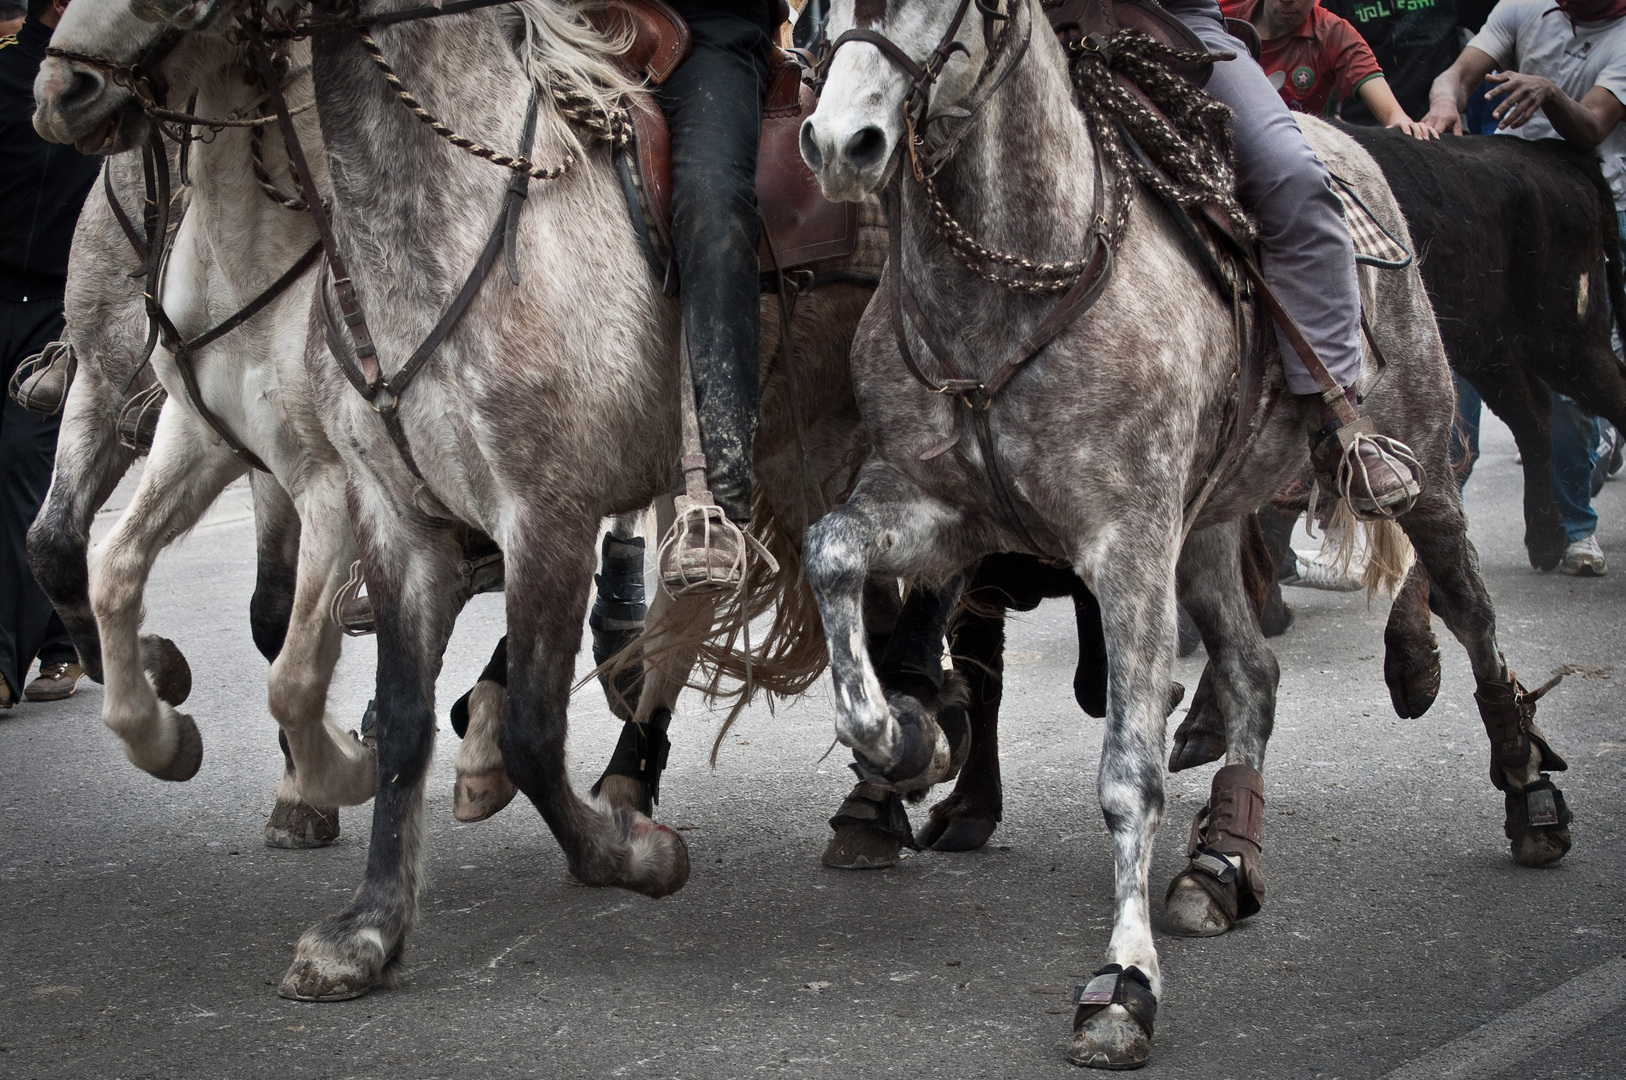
(138, 243)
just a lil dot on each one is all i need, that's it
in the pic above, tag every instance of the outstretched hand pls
(1442, 118)
(1524, 95)
(1417, 129)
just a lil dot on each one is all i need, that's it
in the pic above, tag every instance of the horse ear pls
(181, 14)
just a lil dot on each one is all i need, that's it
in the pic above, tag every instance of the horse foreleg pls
(332, 767)
(547, 601)
(89, 464)
(1537, 819)
(146, 676)
(1135, 585)
(411, 566)
(1225, 879)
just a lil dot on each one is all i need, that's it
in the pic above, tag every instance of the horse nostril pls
(83, 86)
(810, 147)
(866, 148)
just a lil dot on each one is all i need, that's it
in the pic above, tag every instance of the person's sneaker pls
(1584, 558)
(55, 682)
(1330, 576)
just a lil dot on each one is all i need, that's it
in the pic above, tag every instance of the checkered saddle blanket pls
(1374, 245)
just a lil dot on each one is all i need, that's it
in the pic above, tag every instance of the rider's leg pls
(1308, 258)
(713, 104)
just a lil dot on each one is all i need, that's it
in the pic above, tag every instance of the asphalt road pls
(144, 925)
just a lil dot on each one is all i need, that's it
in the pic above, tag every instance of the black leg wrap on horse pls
(640, 754)
(1508, 711)
(1537, 823)
(875, 807)
(496, 670)
(1108, 1041)
(617, 618)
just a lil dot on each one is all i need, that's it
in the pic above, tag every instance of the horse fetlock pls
(337, 769)
(166, 668)
(337, 961)
(656, 862)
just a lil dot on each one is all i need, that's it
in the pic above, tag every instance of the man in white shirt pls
(1558, 70)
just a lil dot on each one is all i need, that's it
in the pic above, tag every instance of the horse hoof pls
(659, 864)
(188, 756)
(167, 668)
(964, 834)
(477, 796)
(1111, 1039)
(1412, 693)
(1546, 546)
(325, 978)
(1541, 847)
(1189, 910)
(297, 825)
(860, 847)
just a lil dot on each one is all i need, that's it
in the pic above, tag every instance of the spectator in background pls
(1554, 77)
(11, 17)
(42, 187)
(1413, 40)
(1315, 60)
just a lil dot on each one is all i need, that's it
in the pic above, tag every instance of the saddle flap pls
(660, 36)
(799, 225)
(1074, 19)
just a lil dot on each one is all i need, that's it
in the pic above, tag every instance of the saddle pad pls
(1374, 245)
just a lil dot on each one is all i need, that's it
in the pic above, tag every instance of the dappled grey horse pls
(1097, 451)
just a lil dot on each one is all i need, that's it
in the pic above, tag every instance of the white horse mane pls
(558, 44)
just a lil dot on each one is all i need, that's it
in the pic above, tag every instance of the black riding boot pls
(713, 104)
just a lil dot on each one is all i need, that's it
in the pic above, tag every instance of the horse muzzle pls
(850, 161)
(80, 105)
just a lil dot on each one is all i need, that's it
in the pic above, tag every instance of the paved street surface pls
(144, 925)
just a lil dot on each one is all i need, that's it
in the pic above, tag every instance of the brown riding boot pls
(1379, 476)
(704, 551)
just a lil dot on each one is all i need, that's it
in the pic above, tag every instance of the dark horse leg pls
(1225, 879)
(1525, 405)
(1537, 819)
(411, 566)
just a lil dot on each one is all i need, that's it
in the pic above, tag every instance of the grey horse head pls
(852, 140)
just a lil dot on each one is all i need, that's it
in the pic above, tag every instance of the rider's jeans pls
(713, 104)
(1309, 260)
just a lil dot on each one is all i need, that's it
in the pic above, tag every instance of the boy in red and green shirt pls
(1315, 60)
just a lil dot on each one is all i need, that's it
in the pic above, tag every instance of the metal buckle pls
(1098, 991)
(1540, 808)
(1214, 865)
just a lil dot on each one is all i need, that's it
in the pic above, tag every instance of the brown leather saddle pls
(1074, 20)
(800, 227)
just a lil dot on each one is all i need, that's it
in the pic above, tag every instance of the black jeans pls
(29, 626)
(713, 104)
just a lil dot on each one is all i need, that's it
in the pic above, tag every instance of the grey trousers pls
(1308, 259)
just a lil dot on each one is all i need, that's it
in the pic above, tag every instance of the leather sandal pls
(1122, 1045)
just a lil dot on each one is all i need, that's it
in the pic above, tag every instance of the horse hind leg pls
(482, 787)
(967, 819)
(1537, 818)
(1224, 881)
(547, 602)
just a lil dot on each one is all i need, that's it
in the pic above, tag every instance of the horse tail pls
(1389, 557)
